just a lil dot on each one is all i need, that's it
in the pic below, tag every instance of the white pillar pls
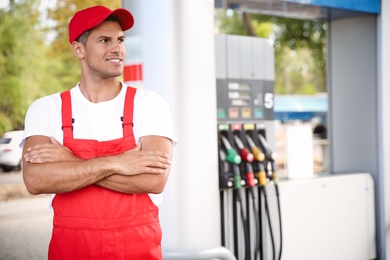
(178, 62)
(384, 126)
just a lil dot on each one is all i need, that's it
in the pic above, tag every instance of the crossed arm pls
(49, 167)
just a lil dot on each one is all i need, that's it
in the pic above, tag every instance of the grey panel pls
(233, 57)
(246, 64)
(258, 49)
(270, 62)
(220, 56)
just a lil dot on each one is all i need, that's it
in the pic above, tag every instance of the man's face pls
(105, 51)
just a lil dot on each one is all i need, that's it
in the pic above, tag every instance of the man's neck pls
(100, 91)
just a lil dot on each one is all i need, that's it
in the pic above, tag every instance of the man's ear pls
(78, 49)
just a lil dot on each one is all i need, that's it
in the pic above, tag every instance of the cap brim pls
(125, 18)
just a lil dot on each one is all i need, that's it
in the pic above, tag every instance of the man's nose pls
(117, 47)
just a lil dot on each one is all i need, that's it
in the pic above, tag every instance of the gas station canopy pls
(304, 9)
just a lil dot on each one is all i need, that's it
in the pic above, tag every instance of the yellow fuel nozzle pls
(257, 154)
(262, 178)
(275, 177)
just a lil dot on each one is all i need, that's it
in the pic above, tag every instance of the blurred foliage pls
(22, 62)
(300, 47)
(35, 55)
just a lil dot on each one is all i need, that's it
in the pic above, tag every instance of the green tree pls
(22, 62)
(306, 38)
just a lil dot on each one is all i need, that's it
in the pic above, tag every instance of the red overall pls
(98, 223)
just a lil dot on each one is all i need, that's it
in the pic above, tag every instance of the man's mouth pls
(114, 60)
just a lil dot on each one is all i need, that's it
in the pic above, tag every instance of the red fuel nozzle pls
(250, 177)
(244, 153)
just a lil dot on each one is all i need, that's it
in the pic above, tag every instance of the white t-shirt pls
(101, 121)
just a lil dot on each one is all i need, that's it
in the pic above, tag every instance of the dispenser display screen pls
(242, 101)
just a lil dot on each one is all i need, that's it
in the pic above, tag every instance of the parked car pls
(10, 152)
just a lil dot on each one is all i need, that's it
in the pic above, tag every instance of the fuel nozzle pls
(233, 158)
(250, 177)
(244, 153)
(262, 175)
(257, 154)
(269, 154)
(231, 155)
(259, 157)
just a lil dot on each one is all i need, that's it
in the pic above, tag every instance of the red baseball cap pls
(91, 17)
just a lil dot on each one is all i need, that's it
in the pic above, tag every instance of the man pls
(103, 148)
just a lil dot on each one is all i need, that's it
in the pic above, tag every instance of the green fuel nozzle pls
(231, 154)
(236, 177)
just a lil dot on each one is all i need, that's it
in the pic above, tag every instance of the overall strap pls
(128, 112)
(66, 109)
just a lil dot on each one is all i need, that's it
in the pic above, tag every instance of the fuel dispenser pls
(245, 79)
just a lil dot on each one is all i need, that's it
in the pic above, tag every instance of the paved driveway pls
(25, 228)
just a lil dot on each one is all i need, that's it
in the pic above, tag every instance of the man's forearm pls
(60, 177)
(142, 183)
(49, 167)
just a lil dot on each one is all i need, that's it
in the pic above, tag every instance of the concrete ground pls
(25, 221)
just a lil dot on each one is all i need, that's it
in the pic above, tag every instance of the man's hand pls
(136, 161)
(49, 152)
(144, 169)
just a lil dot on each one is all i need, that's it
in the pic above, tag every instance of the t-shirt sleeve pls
(157, 118)
(41, 118)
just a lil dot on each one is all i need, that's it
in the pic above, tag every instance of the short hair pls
(83, 38)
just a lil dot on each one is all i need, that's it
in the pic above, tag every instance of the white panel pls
(233, 56)
(299, 142)
(384, 115)
(327, 218)
(198, 167)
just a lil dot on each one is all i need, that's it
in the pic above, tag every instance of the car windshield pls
(5, 140)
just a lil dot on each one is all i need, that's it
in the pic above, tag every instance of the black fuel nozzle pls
(269, 154)
(270, 157)
(222, 156)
